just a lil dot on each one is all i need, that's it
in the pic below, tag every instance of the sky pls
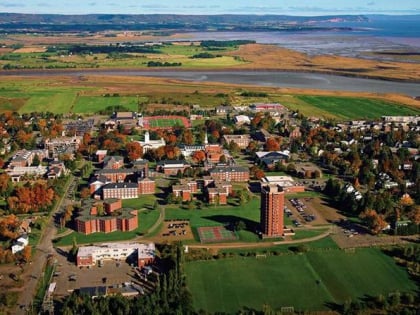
(287, 7)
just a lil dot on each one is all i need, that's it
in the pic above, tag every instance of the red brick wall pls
(84, 261)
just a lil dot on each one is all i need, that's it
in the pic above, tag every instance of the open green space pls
(94, 104)
(165, 122)
(146, 219)
(166, 53)
(306, 281)
(218, 215)
(302, 233)
(356, 108)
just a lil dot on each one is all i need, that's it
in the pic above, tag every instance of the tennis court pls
(212, 234)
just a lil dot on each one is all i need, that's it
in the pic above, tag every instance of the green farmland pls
(353, 108)
(308, 281)
(94, 104)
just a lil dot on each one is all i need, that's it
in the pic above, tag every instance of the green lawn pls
(356, 108)
(301, 234)
(306, 282)
(217, 215)
(93, 104)
(161, 122)
(146, 220)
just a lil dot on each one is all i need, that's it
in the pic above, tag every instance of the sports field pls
(356, 108)
(307, 281)
(211, 234)
(165, 122)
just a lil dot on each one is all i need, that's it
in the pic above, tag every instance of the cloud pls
(43, 4)
(371, 3)
(92, 4)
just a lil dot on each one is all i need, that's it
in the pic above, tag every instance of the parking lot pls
(174, 230)
(304, 211)
(69, 277)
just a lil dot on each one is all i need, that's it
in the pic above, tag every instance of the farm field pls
(90, 94)
(94, 104)
(227, 285)
(356, 108)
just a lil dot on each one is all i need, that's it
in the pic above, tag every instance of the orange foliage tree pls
(374, 221)
(31, 198)
(8, 226)
(272, 144)
(198, 156)
(134, 150)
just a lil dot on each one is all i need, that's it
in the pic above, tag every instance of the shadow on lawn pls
(229, 221)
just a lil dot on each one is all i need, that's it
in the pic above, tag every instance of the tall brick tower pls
(272, 210)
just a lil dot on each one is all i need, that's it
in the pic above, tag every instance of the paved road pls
(33, 272)
(263, 244)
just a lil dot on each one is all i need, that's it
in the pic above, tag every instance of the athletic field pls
(307, 281)
(165, 122)
(211, 234)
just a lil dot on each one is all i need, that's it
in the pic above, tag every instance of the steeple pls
(206, 140)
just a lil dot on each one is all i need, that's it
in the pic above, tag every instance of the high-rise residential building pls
(272, 210)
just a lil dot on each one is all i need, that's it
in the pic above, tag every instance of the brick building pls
(171, 167)
(217, 195)
(241, 140)
(105, 216)
(62, 145)
(120, 190)
(23, 158)
(230, 173)
(272, 211)
(287, 183)
(182, 191)
(146, 186)
(113, 162)
(213, 153)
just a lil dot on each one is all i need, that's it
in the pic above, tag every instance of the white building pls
(90, 255)
(20, 243)
(148, 144)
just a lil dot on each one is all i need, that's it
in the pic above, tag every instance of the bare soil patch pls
(25, 50)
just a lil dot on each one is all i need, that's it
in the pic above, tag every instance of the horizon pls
(216, 7)
(218, 14)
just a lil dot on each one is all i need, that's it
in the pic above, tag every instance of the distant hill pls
(99, 22)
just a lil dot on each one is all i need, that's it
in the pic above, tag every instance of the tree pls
(36, 161)
(373, 220)
(198, 156)
(26, 253)
(240, 225)
(134, 150)
(85, 193)
(272, 144)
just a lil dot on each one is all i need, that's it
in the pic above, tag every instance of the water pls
(278, 79)
(380, 33)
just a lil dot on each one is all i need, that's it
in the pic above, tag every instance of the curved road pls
(33, 272)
